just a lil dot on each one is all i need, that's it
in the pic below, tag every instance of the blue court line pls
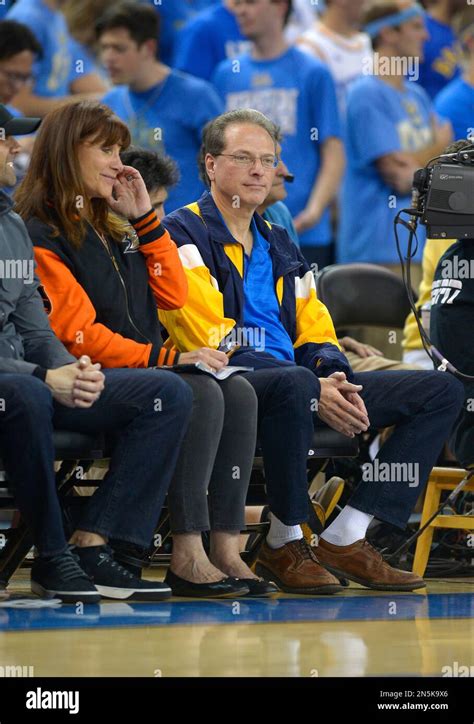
(279, 610)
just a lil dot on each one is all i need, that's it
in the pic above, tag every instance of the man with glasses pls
(64, 69)
(297, 93)
(18, 51)
(250, 285)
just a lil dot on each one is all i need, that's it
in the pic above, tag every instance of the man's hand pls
(443, 132)
(361, 350)
(130, 197)
(306, 219)
(346, 389)
(76, 385)
(345, 415)
(210, 357)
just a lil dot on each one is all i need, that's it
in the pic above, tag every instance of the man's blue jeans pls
(148, 412)
(422, 406)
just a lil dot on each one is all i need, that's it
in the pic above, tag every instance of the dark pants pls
(286, 399)
(422, 405)
(147, 410)
(212, 475)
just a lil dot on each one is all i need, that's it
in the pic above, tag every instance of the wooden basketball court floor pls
(356, 633)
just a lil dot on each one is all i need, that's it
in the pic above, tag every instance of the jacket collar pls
(280, 246)
(6, 202)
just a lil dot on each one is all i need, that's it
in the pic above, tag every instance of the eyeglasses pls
(16, 78)
(241, 159)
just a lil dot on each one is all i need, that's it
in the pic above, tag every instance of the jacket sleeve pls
(73, 318)
(166, 275)
(41, 346)
(201, 322)
(316, 345)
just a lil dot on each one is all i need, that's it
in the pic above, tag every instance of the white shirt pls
(346, 58)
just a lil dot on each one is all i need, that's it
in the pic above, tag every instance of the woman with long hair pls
(106, 265)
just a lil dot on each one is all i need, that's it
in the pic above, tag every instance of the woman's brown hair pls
(53, 188)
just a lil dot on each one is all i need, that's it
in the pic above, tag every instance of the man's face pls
(158, 198)
(243, 186)
(353, 10)
(411, 37)
(278, 190)
(256, 16)
(8, 150)
(122, 57)
(15, 72)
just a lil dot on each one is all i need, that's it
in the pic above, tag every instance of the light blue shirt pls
(381, 120)
(279, 214)
(207, 40)
(456, 103)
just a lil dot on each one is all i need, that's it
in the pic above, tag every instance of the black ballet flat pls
(226, 588)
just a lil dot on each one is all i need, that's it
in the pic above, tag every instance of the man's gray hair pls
(213, 134)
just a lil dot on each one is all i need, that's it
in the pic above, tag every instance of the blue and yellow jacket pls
(214, 262)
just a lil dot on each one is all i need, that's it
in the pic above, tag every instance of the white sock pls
(280, 534)
(350, 525)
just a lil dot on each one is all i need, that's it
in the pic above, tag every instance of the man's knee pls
(298, 387)
(449, 390)
(26, 395)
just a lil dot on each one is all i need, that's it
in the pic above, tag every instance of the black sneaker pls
(62, 577)
(113, 580)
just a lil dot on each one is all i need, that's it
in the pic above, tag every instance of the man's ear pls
(210, 163)
(151, 47)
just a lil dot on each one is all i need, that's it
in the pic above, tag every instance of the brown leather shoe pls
(361, 563)
(295, 569)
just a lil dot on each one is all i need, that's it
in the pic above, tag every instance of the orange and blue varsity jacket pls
(103, 302)
(214, 265)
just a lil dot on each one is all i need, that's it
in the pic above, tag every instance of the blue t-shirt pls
(381, 120)
(4, 8)
(211, 37)
(440, 63)
(261, 308)
(63, 58)
(456, 103)
(279, 214)
(174, 14)
(169, 119)
(297, 92)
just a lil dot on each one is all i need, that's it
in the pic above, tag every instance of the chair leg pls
(423, 545)
(18, 544)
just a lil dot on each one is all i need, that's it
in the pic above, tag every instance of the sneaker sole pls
(66, 596)
(374, 586)
(127, 594)
(238, 593)
(268, 575)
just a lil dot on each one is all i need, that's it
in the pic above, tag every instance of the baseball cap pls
(17, 126)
